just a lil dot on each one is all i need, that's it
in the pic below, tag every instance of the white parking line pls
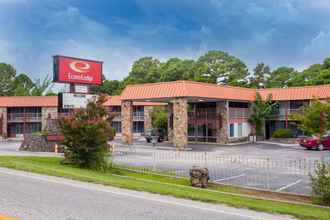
(288, 186)
(230, 178)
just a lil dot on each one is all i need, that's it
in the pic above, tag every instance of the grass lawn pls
(158, 184)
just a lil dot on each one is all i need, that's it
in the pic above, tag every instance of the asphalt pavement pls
(32, 197)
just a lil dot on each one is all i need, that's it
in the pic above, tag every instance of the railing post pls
(267, 173)
(154, 161)
(205, 159)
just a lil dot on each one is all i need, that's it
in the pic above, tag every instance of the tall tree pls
(314, 119)
(261, 110)
(220, 67)
(40, 87)
(110, 87)
(176, 69)
(260, 76)
(144, 70)
(23, 85)
(7, 77)
(281, 77)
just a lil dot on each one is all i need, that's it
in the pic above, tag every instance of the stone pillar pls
(147, 117)
(46, 113)
(127, 122)
(170, 123)
(222, 122)
(180, 123)
(3, 126)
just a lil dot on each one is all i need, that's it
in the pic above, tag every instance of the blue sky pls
(278, 32)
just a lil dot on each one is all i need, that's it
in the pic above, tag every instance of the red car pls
(314, 143)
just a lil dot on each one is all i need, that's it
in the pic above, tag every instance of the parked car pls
(315, 143)
(154, 132)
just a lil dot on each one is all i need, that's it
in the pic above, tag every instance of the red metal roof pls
(297, 93)
(28, 101)
(186, 89)
(175, 89)
(158, 91)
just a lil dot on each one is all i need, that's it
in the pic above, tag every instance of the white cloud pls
(319, 46)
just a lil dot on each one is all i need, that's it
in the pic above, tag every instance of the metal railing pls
(21, 117)
(239, 170)
(239, 113)
(138, 116)
(285, 113)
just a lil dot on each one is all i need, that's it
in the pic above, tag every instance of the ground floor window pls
(138, 126)
(117, 126)
(23, 128)
(238, 129)
(231, 130)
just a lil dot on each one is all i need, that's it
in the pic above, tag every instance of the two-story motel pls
(199, 112)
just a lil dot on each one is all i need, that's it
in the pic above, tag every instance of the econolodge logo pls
(79, 66)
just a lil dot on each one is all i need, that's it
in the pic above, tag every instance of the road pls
(33, 196)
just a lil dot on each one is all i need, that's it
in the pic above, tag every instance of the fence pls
(254, 172)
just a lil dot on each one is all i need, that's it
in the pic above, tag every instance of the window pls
(240, 130)
(138, 126)
(231, 130)
(117, 125)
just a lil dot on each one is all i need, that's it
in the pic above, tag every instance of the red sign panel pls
(75, 70)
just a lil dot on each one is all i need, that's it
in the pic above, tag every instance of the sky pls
(292, 33)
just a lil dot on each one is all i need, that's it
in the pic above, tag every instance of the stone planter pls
(38, 143)
(199, 177)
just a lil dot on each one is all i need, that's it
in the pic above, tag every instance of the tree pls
(159, 117)
(314, 119)
(220, 67)
(23, 85)
(40, 87)
(261, 110)
(86, 134)
(316, 74)
(7, 77)
(281, 77)
(260, 76)
(144, 70)
(176, 69)
(110, 87)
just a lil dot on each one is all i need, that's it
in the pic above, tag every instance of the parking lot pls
(263, 165)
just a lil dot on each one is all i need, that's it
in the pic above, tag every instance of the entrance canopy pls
(163, 92)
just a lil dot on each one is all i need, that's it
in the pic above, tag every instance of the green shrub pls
(86, 136)
(112, 134)
(283, 133)
(321, 184)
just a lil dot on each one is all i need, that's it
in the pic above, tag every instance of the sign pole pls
(72, 90)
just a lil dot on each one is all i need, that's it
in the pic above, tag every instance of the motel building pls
(198, 112)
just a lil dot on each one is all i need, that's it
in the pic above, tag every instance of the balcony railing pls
(23, 117)
(239, 113)
(138, 116)
(285, 113)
